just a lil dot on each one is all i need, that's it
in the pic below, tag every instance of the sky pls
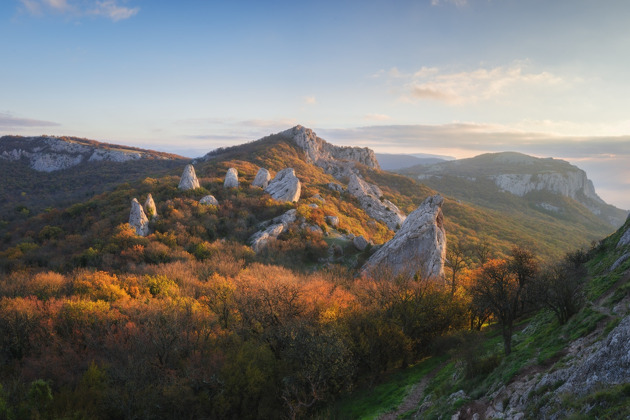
(445, 77)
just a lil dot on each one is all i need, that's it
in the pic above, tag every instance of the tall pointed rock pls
(149, 207)
(137, 219)
(189, 179)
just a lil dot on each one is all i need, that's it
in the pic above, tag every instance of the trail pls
(413, 399)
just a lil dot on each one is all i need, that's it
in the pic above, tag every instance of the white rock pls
(231, 179)
(209, 200)
(262, 178)
(369, 196)
(137, 219)
(418, 247)
(285, 186)
(261, 239)
(149, 207)
(189, 179)
(360, 243)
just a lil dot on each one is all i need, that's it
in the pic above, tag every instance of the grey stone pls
(360, 243)
(370, 199)
(209, 200)
(189, 179)
(261, 239)
(285, 186)
(231, 179)
(149, 207)
(332, 221)
(262, 178)
(137, 219)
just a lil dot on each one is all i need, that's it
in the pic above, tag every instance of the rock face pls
(262, 178)
(231, 179)
(625, 238)
(209, 200)
(149, 207)
(137, 219)
(189, 179)
(260, 239)
(48, 154)
(335, 160)
(285, 186)
(419, 245)
(369, 196)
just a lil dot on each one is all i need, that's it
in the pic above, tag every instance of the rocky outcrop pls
(262, 178)
(332, 221)
(360, 243)
(189, 179)
(370, 199)
(418, 247)
(335, 160)
(149, 207)
(572, 184)
(260, 239)
(231, 179)
(625, 238)
(137, 219)
(209, 200)
(285, 186)
(48, 154)
(335, 187)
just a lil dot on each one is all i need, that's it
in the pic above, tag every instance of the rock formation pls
(285, 186)
(231, 179)
(137, 219)
(332, 221)
(149, 207)
(209, 200)
(335, 187)
(189, 179)
(369, 197)
(360, 243)
(260, 239)
(335, 160)
(419, 245)
(262, 178)
(48, 154)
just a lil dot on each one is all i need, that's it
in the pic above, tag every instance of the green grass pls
(369, 403)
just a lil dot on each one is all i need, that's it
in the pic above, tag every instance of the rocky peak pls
(336, 160)
(418, 247)
(189, 179)
(137, 219)
(48, 154)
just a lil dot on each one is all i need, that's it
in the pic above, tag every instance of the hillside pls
(44, 172)
(514, 180)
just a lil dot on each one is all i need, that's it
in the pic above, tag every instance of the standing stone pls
(262, 178)
(231, 179)
(209, 200)
(137, 219)
(149, 207)
(189, 179)
(418, 247)
(285, 186)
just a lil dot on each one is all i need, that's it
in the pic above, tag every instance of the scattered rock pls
(313, 206)
(149, 207)
(319, 198)
(231, 179)
(137, 219)
(209, 200)
(360, 243)
(419, 245)
(335, 187)
(189, 179)
(260, 239)
(262, 178)
(332, 221)
(625, 239)
(370, 199)
(285, 186)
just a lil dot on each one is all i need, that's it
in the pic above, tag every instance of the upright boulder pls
(418, 247)
(137, 219)
(262, 178)
(149, 207)
(189, 179)
(370, 199)
(209, 200)
(231, 179)
(285, 186)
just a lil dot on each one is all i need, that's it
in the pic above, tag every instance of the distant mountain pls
(545, 184)
(81, 168)
(393, 162)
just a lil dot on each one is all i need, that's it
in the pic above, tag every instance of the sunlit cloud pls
(111, 9)
(310, 100)
(377, 117)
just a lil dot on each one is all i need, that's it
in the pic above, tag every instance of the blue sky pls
(448, 77)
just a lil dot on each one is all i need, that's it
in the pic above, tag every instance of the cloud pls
(310, 100)
(110, 9)
(377, 117)
(482, 84)
(9, 121)
(458, 3)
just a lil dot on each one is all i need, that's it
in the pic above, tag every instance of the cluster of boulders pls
(139, 216)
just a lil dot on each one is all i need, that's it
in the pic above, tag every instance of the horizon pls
(443, 77)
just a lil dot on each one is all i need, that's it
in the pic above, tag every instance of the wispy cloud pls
(309, 100)
(377, 117)
(111, 9)
(458, 3)
(8, 121)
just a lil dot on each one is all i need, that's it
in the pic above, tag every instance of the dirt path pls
(413, 399)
